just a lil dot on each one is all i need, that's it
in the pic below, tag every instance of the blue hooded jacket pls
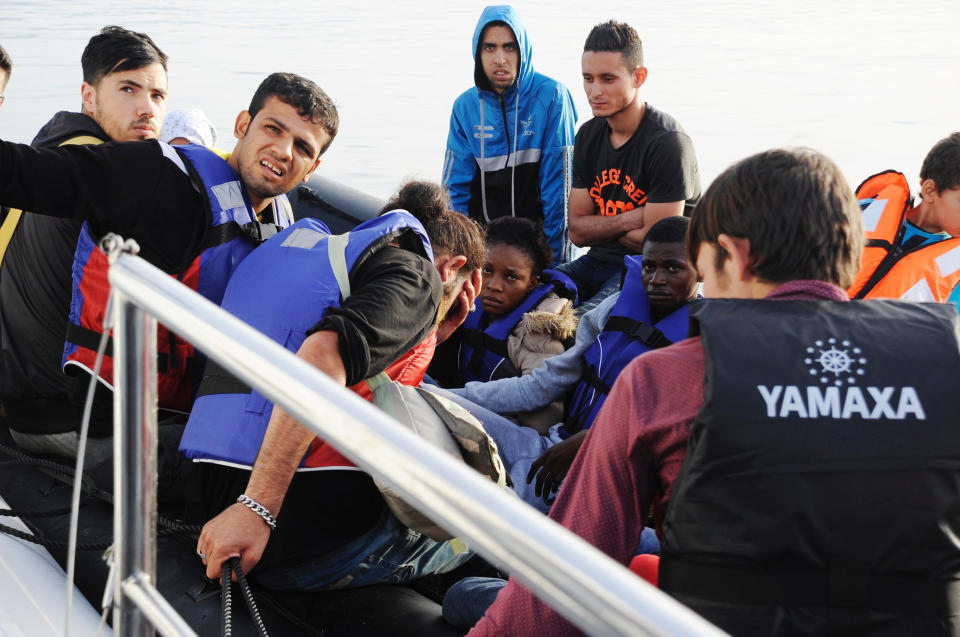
(511, 154)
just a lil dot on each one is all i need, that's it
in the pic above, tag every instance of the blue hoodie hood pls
(504, 13)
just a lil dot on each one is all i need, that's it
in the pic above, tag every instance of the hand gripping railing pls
(594, 592)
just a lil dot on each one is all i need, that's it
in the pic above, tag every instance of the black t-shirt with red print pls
(656, 165)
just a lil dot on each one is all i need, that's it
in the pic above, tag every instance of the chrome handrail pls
(593, 591)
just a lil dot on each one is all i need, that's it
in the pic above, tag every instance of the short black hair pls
(526, 236)
(304, 95)
(117, 49)
(6, 63)
(667, 230)
(942, 163)
(618, 37)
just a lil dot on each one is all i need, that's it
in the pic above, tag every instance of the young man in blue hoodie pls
(510, 146)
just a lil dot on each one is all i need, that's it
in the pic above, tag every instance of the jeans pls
(517, 445)
(389, 553)
(466, 601)
(595, 279)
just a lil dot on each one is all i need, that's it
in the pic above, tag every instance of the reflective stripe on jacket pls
(888, 267)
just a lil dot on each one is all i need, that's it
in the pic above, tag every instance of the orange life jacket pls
(890, 269)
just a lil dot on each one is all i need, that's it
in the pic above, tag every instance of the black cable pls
(226, 601)
(248, 597)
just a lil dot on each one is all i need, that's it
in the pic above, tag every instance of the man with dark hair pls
(123, 98)
(787, 516)
(6, 68)
(632, 164)
(334, 530)
(913, 252)
(193, 214)
(511, 135)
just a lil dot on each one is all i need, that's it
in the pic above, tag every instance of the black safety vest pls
(820, 465)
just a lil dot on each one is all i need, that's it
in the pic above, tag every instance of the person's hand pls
(236, 532)
(551, 467)
(457, 313)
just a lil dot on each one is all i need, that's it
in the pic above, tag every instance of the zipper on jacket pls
(506, 126)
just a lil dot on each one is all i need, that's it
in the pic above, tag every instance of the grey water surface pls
(872, 84)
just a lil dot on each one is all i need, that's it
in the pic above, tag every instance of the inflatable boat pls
(33, 584)
(593, 591)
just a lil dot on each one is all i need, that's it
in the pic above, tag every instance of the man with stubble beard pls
(193, 213)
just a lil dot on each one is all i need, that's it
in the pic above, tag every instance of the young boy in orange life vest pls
(913, 252)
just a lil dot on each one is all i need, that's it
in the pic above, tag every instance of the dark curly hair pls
(526, 236)
(450, 232)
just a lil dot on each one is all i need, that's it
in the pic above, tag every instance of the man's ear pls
(639, 76)
(449, 266)
(928, 188)
(306, 177)
(739, 260)
(240, 126)
(88, 98)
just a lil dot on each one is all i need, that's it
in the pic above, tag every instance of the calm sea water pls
(873, 84)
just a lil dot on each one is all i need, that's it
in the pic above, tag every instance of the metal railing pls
(594, 592)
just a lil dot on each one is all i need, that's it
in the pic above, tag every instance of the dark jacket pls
(34, 302)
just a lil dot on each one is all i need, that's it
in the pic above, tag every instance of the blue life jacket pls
(628, 332)
(483, 348)
(282, 289)
(235, 233)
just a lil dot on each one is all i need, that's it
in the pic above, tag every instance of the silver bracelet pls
(259, 509)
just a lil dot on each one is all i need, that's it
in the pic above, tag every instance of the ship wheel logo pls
(834, 360)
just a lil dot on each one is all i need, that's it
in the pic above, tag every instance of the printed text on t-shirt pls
(622, 187)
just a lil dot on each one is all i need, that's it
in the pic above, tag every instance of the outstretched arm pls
(131, 189)
(546, 383)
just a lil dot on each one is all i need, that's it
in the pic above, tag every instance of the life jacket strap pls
(227, 232)
(642, 332)
(593, 379)
(90, 339)
(217, 380)
(481, 341)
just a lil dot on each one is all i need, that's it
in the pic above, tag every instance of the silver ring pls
(201, 554)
